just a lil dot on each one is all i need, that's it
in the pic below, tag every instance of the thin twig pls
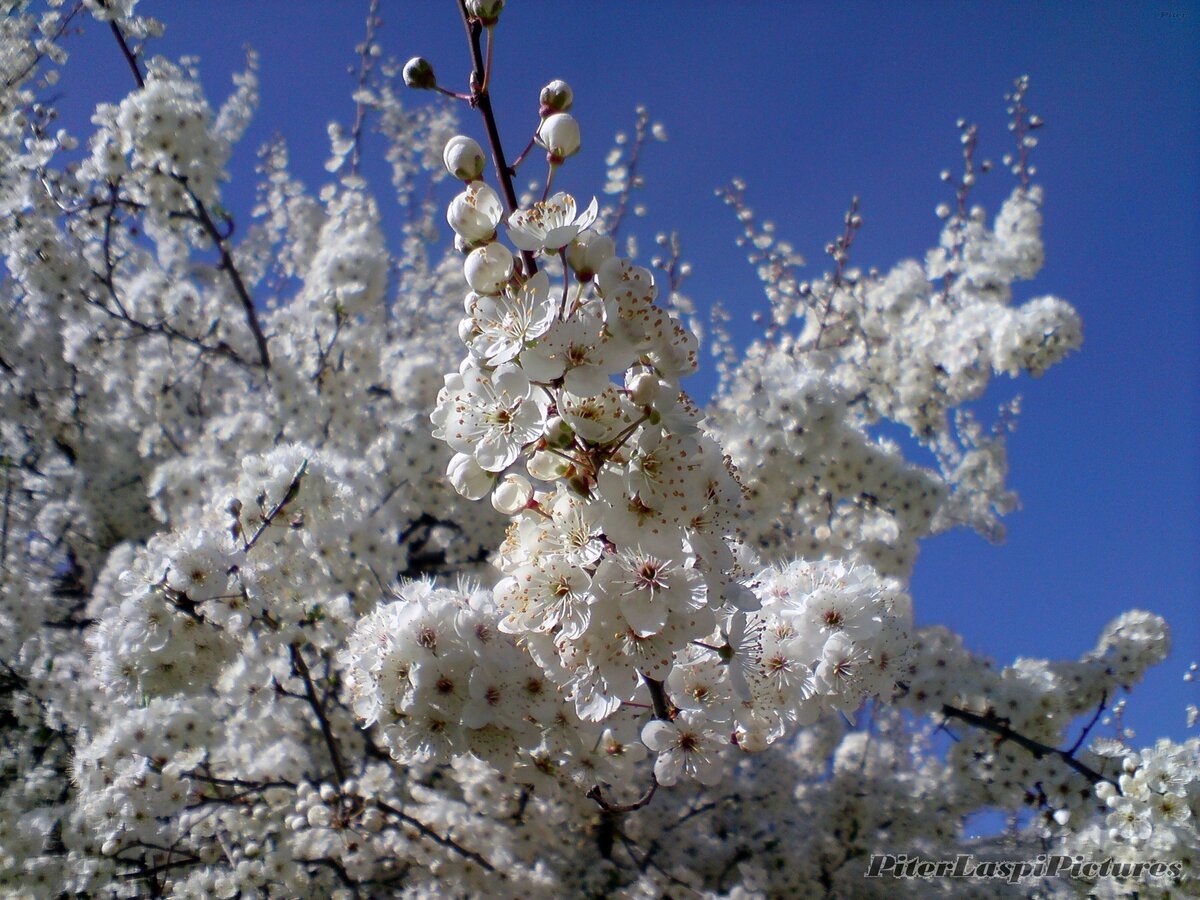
(227, 264)
(129, 57)
(206, 221)
(1001, 728)
(662, 710)
(289, 495)
(635, 153)
(595, 794)
(7, 505)
(447, 842)
(366, 62)
(481, 100)
(1087, 729)
(318, 708)
(40, 54)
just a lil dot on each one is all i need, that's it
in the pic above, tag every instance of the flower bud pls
(464, 158)
(319, 817)
(643, 388)
(486, 11)
(418, 73)
(512, 495)
(588, 252)
(545, 466)
(468, 478)
(474, 213)
(559, 136)
(489, 268)
(372, 819)
(467, 330)
(210, 852)
(556, 97)
(751, 741)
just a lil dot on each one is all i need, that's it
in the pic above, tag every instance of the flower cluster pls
(620, 567)
(162, 145)
(435, 673)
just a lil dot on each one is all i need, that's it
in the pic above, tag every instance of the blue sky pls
(813, 103)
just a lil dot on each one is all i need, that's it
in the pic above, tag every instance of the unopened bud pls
(559, 136)
(750, 741)
(474, 213)
(643, 388)
(545, 466)
(489, 268)
(556, 97)
(418, 73)
(588, 252)
(464, 158)
(467, 330)
(468, 478)
(512, 495)
(486, 11)
(319, 816)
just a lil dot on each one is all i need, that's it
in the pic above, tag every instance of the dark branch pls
(288, 496)
(447, 842)
(1039, 750)
(318, 708)
(366, 62)
(206, 222)
(227, 264)
(595, 794)
(38, 55)
(662, 710)
(481, 100)
(129, 57)
(1087, 729)
(658, 696)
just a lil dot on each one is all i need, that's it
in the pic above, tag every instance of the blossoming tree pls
(338, 563)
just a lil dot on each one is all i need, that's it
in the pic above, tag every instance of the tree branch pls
(289, 495)
(365, 65)
(129, 57)
(206, 222)
(481, 100)
(318, 708)
(1001, 728)
(658, 696)
(227, 264)
(595, 794)
(447, 842)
